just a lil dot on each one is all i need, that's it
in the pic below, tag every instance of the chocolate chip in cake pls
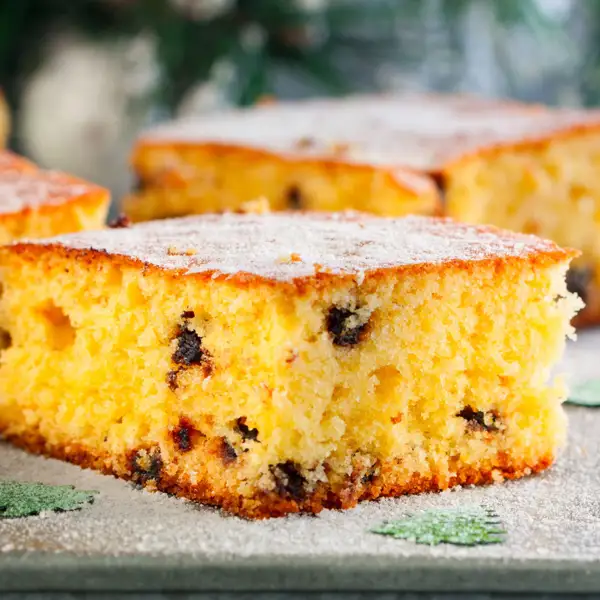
(346, 326)
(121, 222)
(294, 197)
(185, 434)
(188, 314)
(440, 183)
(228, 453)
(289, 481)
(5, 339)
(245, 431)
(578, 281)
(478, 420)
(138, 185)
(370, 475)
(146, 465)
(172, 379)
(189, 348)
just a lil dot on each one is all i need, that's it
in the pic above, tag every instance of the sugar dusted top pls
(419, 132)
(287, 246)
(13, 162)
(21, 190)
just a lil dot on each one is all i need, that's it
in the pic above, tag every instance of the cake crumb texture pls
(281, 389)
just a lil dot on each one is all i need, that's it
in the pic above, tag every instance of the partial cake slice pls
(277, 363)
(36, 203)
(526, 168)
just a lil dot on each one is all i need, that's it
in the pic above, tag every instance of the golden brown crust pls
(269, 504)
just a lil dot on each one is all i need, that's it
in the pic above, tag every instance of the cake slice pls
(521, 167)
(277, 363)
(36, 203)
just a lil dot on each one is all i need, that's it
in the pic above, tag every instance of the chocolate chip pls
(172, 379)
(370, 475)
(478, 420)
(343, 331)
(289, 482)
(146, 465)
(188, 314)
(138, 185)
(246, 433)
(578, 281)
(189, 348)
(440, 183)
(183, 434)
(294, 197)
(228, 453)
(121, 222)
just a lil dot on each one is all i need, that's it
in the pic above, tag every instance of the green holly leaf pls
(469, 526)
(22, 499)
(586, 393)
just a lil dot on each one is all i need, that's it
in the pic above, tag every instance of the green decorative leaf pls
(469, 526)
(586, 393)
(22, 499)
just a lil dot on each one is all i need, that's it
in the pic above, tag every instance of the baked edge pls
(270, 505)
(33, 250)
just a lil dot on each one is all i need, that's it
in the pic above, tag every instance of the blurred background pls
(82, 77)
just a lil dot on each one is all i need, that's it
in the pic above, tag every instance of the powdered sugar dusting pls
(420, 132)
(30, 190)
(287, 246)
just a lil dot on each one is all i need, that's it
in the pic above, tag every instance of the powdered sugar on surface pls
(553, 516)
(286, 246)
(30, 190)
(420, 132)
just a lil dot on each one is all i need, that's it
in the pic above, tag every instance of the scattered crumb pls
(261, 206)
(293, 257)
(304, 143)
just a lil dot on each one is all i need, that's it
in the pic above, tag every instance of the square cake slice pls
(35, 203)
(288, 362)
(522, 167)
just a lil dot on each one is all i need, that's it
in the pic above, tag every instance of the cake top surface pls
(420, 132)
(22, 190)
(288, 246)
(14, 162)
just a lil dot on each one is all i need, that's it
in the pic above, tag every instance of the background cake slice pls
(35, 203)
(522, 167)
(283, 362)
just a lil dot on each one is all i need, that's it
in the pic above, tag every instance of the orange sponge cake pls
(525, 168)
(279, 363)
(36, 203)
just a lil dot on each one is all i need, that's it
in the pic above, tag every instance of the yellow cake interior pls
(272, 407)
(200, 179)
(549, 189)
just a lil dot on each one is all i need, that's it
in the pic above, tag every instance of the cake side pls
(181, 179)
(36, 203)
(205, 386)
